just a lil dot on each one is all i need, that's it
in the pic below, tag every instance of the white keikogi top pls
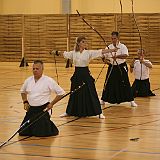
(39, 93)
(140, 71)
(82, 59)
(121, 51)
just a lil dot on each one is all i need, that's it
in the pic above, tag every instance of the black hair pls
(78, 40)
(115, 33)
(38, 61)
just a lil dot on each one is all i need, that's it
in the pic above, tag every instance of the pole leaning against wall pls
(66, 9)
(23, 61)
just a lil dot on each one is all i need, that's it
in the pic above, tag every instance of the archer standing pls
(117, 87)
(85, 101)
(140, 67)
(36, 93)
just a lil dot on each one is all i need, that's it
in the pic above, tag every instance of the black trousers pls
(117, 87)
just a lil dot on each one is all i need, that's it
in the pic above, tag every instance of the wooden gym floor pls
(126, 133)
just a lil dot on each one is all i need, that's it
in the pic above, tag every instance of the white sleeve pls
(24, 86)
(68, 55)
(54, 87)
(149, 62)
(125, 50)
(95, 53)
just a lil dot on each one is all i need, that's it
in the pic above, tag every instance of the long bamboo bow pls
(88, 24)
(135, 21)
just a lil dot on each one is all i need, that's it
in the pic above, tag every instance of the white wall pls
(83, 6)
(30, 6)
(113, 6)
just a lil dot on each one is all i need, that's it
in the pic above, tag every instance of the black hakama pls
(42, 128)
(117, 89)
(141, 88)
(84, 102)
